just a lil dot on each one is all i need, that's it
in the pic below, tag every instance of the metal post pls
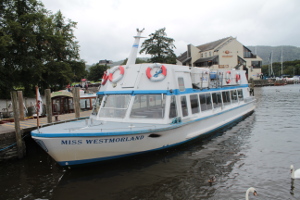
(17, 124)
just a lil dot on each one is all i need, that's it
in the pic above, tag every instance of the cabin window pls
(184, 106)
(173, 107)
(226, 97)
(194, 103)
(240, 94)
(234, 96)
(217, 100)
(96, 104)
(148, 106)
(205, 101)
(181, 84)
(114, 106)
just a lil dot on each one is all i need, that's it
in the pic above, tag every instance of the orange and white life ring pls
(112, 72)
(227, 77)
(159, 74)
(104, 78)
(237, 78)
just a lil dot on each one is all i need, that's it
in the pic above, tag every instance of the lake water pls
(257, 152)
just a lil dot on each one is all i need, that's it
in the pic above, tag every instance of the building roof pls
(212, 45)
(182, 57)
(216, 45)
(188, 59)
(200, 60)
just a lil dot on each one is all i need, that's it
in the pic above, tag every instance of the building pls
(227, 53)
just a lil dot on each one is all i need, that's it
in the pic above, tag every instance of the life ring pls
(104, 78)
(237, 78)
(227, 77)
(113, 70)
(162, 70)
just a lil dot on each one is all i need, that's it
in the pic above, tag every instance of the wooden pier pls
(30, 124)
(8, 147)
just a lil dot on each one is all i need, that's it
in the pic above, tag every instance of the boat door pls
(182, 83)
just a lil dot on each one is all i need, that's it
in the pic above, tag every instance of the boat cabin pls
(62, 102)
(168, 95)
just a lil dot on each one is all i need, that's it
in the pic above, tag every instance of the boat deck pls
(91, 128)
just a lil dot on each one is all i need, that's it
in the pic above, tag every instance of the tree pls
(160, 47)
(96, 72)
(36, 47)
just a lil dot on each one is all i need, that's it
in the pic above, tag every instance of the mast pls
(281, 62)
(270, 63)
(271, 72)
(135, 46)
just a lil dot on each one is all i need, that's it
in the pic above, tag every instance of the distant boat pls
(149, 107)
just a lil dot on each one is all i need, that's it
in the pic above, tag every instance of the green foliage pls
(96, 72)
(289, 68)
(36, 48)
(160, 47)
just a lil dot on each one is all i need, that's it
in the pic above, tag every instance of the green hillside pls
(290, 53)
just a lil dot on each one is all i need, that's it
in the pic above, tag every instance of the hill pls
(289, 53)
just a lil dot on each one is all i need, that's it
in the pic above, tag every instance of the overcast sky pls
(106, 28)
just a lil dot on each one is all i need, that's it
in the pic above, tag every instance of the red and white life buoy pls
(227, 77)
(112, 72)
(159, 74)
(237, 78)
(104, 78)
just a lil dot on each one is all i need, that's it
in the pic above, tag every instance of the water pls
(256, 152)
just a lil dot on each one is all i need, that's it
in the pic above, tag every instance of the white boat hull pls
(80, 150)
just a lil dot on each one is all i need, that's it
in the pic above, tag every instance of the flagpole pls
(37, 107)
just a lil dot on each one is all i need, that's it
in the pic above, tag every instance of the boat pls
(148, 107)
(62, 101)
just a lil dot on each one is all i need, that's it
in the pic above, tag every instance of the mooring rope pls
(12, 144)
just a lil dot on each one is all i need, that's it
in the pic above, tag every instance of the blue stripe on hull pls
(85, 161)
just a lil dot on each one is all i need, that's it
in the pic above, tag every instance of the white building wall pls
(228, 57)
(228, 54)
(194, 54)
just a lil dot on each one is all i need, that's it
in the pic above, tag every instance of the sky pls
(106, 28)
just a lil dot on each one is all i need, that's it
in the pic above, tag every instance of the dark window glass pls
(194, 103)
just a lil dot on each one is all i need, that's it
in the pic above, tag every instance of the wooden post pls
(18, 131)
(76, 101)
(48, 105)
(37, 108)
(21, 105)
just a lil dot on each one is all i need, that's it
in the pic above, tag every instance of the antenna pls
(135, 46)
